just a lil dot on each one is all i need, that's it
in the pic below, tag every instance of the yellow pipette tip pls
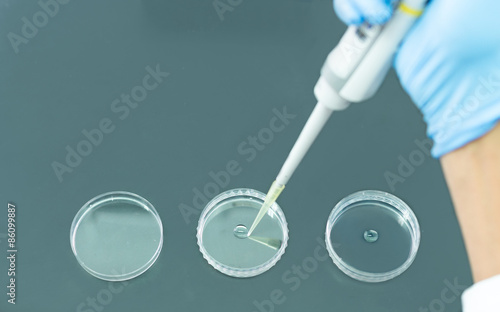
(273, 193)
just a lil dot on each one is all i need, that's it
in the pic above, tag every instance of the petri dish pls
(372, 236)
(222, 234)
(116, 236)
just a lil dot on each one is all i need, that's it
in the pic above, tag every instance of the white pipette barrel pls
(353, 71)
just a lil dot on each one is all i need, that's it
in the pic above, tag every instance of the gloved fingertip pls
(353, 20)
(347, 13)
(380, 16)
(373, 11)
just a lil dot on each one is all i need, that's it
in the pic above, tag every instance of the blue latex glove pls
(449, 64)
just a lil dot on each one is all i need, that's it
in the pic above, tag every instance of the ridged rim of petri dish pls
(232, 271)
(405, 212)
(97, 202)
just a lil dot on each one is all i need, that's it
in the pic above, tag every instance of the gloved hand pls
(449, 64)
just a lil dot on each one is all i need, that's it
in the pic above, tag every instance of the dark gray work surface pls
(226, 80)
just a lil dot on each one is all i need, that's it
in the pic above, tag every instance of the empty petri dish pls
(372, 236)
(223, 233)
(116, 236)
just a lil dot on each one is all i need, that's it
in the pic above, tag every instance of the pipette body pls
(352, 72)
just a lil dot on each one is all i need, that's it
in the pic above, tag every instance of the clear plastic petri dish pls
(116, 236)
(222, 234)
(372, 236)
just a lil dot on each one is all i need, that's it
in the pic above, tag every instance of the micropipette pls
(352, 72)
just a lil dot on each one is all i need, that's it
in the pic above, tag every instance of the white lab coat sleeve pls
(483, 296)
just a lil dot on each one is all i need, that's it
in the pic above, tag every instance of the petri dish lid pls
(372, 236)
(116, 236)
(222, 234)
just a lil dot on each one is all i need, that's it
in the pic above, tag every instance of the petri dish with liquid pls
(372, 236)
(223, 234)
(116, 236)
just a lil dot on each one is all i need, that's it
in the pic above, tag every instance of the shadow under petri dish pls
(117, 236)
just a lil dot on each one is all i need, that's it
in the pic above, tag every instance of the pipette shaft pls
(312, 128)
(308, 135)
(352, 72)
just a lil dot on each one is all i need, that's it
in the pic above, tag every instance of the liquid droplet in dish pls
(240, 231)
(370, 236)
